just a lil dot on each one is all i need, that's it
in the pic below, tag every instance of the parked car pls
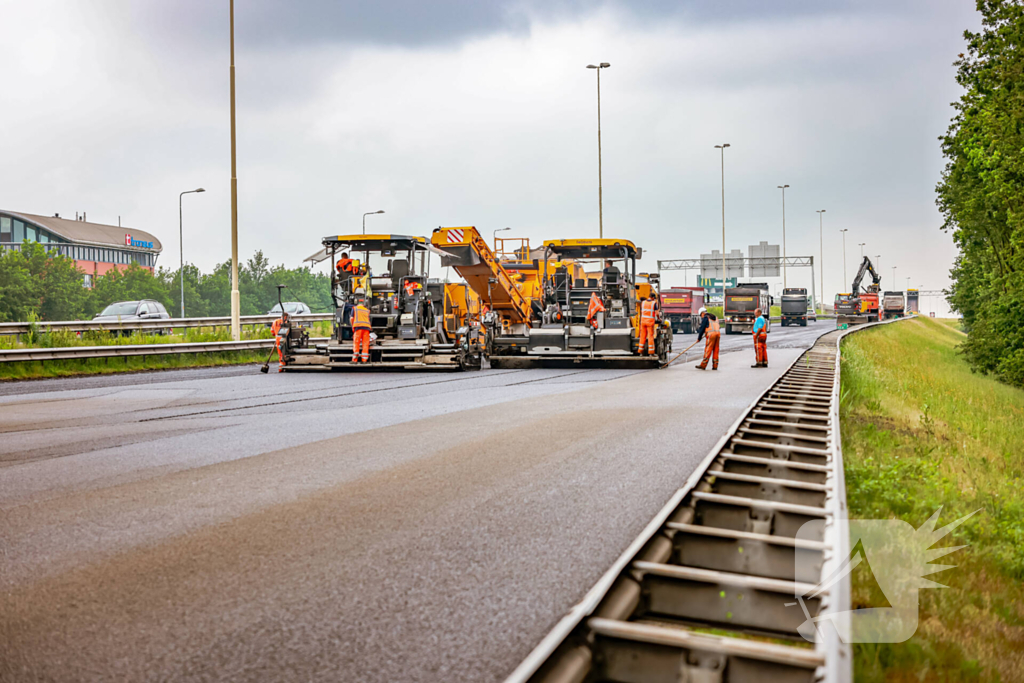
(291, 307)
(134, 311)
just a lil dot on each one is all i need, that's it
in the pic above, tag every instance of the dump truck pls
(680, 306)
(794, 306)
(740, 303)
(417, 322)
(860, 305)
(537, 300)
(892, 305)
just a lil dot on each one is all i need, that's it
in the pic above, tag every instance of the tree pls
(981, 193)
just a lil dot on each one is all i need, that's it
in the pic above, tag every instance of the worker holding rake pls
(709, 330)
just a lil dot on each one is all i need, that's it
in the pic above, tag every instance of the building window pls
(30, 233)
(5, 229)
(87, 281)
(19, 231)
(44, 237)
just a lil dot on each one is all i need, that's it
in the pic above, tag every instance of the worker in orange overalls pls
(648, 323)
(346, 266)
(709, 331)
(760, 340)
(596, 306)
(361, 333)
(411, 287)
(274, 329)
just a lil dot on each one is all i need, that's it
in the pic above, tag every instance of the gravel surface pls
(226, 525)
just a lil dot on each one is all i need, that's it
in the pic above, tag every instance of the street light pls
(600, 188)
(844, 259)
(894, 278)
(821, 266)
(495, 236)
(369, 213)
(908, 283)
(236, 298)
(861, 245)
(181, 249)
(722, 147)
(878, 264)
(783, 188)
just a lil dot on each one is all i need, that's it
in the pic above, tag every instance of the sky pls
(463, 112)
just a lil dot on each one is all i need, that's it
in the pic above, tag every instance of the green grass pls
(64, 368)
(921, 431)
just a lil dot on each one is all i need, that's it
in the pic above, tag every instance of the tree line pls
(41, 286)
(981, 193)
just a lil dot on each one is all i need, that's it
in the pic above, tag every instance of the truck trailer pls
(741, 302)
(794, 306)
(913, 305)
(680, 306)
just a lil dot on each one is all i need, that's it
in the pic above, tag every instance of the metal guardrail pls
(127, 350)
(155, 324)
(723, 552)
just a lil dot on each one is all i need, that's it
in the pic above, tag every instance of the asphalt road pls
(226, 525)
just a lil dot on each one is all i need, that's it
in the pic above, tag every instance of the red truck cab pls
(680, 306)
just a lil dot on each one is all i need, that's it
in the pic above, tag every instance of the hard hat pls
(702, 311)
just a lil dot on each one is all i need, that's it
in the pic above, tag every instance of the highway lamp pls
(722, 147)
(844, 259)
(894, 278)
(495, 236)
(783, 188)
(600, 188)
(236, 299)
(908, 283)
(861, 245)
(821, 265)
(181, 249)
(369, 213)
(878, 264)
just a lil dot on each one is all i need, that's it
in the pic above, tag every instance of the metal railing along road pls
(127, 350)
(154, 324)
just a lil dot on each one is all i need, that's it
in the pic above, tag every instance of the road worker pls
(411, 287)
(648, 324)
(346, 266)
(596, 306)
(709, 331)
(275, 328)
(760, 340)
(361, 333)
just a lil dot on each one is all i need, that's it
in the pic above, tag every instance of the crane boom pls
(467, 252)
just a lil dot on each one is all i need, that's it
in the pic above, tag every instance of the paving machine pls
(417, 322)
(859, 305)
(538, 299)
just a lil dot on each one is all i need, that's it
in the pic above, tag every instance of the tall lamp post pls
(878, 265)
(861, 245)
(844, 258)
(495, 236)
(894, 278)
(600, 188)
(722, 147)
(369, 213)
(236, 300)
(783, 188)
(821, 265)
(181, 249)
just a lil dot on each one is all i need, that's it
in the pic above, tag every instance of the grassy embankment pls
(921, 431)
(64, 368)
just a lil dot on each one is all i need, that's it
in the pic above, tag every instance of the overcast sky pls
(460, 112)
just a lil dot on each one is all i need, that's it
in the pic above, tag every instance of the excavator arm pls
(866, 267)
(466, 251)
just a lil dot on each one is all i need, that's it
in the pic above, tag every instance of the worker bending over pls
(275, 329)
(411, 287)
(709, 331)
(760, 340)
(596, 306)
(648, 322)
(361, 333)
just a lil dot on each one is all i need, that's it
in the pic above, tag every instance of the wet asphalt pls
(221, 524)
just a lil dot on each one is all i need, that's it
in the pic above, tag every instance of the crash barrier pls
(156, 324)
(723, 554)
(127, 350)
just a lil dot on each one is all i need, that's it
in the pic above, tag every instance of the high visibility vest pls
(346, 265)
(647, 312)
(596, 306)
(412, 287)
(361, 318)
(713, 328)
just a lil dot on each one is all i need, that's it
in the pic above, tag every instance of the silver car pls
(134, 311)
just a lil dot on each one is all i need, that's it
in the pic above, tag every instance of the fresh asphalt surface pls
(222, 524)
